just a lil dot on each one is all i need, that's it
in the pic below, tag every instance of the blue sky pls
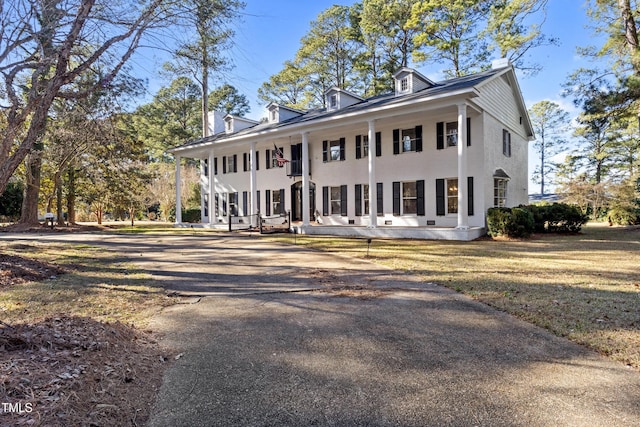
(270, 34)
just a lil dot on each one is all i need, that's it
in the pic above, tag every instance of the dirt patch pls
(43, 228)
(76, 371)
(332, 284)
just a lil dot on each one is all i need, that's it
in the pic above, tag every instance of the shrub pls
(623, 215)
(538, 213)
(191, 215)
(564, 218)
(11, 201)
(516, 222)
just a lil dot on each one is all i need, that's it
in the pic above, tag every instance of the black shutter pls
(342, 149)
(235, 163)
(217, 205)
(224, 164)
(420, 201)
(282, 206)
(267, 201)
(325, 157)
(396, 198)
(245, 203)
(205, 167)
(419, 138)
(379, 199)
(470, 195)
(378, 144)
(396, 141)
(245, 163)
(440, 199)
(358, 200)
(468, 131)
(257, 161)
(267, 158)
(358, 146)
(325, 201)
(440, 135)
(343, 200)
(215, 166)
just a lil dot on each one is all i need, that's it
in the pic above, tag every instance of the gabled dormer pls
(408, 80)
(234, 124)
(279, 113)
(337, 98)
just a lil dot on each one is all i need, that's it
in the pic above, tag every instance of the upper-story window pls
(333, 150)
(408, 140)
(273, 115)
(333, 101)
(404, 84)
(506, 142)
(452, 134)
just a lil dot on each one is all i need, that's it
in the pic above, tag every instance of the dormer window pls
(333, 101)
(229, 126)
(404, 84)
(273, 115)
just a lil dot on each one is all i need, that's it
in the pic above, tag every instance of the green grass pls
(585, 287)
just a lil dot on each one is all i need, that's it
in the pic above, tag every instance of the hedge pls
(526, 219)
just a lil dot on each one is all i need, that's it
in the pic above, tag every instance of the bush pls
(191, 215)
(564, 218)
(623, 215)
(11, 201)
(524, 220)
(516, 222)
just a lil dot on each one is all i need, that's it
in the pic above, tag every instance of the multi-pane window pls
(334, 151)
(409, 198)
(452, 196)
(404, 84)
(365, 145)
(409, 140)
(365, 198)
(333, 101)
(275, 201)
(231, 164)
(500, 192)
(335, 200)
(452, 134)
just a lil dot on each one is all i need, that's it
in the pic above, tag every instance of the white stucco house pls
(424, 162)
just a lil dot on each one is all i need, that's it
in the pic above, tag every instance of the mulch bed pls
(73, 371)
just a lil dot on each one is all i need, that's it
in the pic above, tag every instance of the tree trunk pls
(71, 196)
(630, 33)
(58, 184)
(32, 190)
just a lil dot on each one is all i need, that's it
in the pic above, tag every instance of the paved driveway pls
(287, 336)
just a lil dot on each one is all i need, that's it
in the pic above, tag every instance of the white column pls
(305, 180)
(178, 192)
(373, 199)
(463, 219)
(253, 186)
(212, 191)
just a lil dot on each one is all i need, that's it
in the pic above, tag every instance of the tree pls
(172, 117)
(511, 34)
(550, 124)
(286, 87)
(449, 34)
(45, 46)
(388, 39)
(227, 99)
(199, 58)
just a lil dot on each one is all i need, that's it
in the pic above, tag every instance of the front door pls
(296, 200)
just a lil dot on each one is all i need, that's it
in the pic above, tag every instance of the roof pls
(438, 90)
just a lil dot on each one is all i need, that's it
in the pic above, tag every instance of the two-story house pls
(426, 161)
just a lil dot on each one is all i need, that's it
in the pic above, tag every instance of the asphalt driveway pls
(277, 335)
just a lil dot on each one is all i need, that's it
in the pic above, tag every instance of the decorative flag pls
(279, 156)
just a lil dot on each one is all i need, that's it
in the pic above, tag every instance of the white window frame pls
(408, 140)
(365, 145)
(404, 84)
(335, 205)
(404, 198)
(365, 199)
(275, 202)
(506, 143)
(451, 196)
(500, 191)
(451, 134)
(333, 101)
(333, 147)
(231, 164)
